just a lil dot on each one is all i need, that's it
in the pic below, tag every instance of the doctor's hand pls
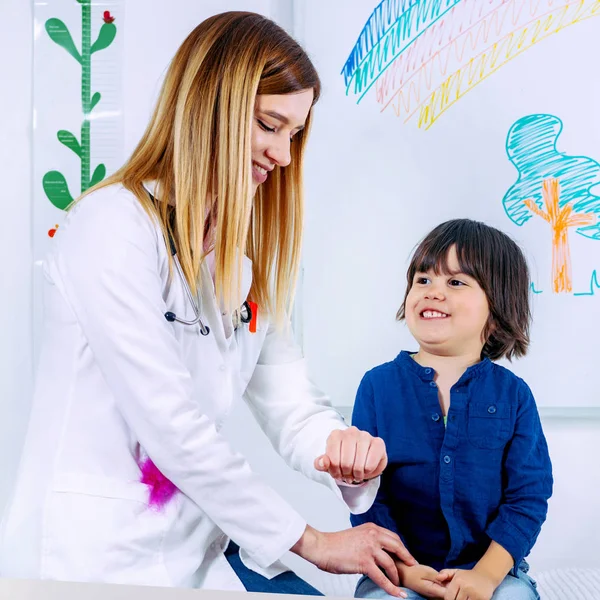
(352, 456)
(366, 549)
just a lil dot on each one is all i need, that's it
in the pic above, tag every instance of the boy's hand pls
(421, 579)
(463, 584)
(352, 456)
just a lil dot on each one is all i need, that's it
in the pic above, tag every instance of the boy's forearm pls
(495, 563)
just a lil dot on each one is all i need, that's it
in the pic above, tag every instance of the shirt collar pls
(405, 361)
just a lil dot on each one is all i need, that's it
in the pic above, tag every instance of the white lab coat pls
(117, 382)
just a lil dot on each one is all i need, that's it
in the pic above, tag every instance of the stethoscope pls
(243, 314)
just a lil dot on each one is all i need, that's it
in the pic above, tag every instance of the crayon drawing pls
(554, 186)
(423, 56)
(594, 285)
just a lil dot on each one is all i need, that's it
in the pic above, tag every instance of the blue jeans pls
(285, 583)
(521, 587)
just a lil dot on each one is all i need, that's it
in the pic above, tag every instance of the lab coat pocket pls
(489, 424)
(100, 529)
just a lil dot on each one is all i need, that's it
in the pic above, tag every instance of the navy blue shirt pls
(448, 491)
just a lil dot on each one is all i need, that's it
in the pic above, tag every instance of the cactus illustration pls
(54, 182)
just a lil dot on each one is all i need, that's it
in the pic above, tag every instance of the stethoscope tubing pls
(171, 316)
(204, 329)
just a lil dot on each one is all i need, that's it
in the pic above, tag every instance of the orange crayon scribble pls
(560, 219)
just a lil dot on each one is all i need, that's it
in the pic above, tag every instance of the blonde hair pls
(198, 145)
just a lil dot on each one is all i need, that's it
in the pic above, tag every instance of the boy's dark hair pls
(497, 263)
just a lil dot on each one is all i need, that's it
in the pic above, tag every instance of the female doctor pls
(165, 295)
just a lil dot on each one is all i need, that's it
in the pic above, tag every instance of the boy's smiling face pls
(446, 313)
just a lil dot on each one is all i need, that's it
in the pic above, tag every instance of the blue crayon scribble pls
(532, 286)
(393, 27)
(531, 146)
(594, 285)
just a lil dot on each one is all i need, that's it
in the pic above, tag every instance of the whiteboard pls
(433, 110)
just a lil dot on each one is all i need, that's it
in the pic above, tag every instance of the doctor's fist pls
(352, 456)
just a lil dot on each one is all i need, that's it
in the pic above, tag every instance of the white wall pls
(15, 241)
(571, 536)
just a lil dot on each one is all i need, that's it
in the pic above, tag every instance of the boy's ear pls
(490, 328)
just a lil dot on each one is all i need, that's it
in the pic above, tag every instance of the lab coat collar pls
(221, 321)
(218, 318)
(151, 187)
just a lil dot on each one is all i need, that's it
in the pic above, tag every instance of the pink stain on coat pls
(162, 489)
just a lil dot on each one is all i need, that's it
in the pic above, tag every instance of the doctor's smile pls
(260, 173)
(277, 120)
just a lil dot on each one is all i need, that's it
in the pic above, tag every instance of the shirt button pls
(222, 368)
(435, 417)
(427, 371)
(447, 459)
(492, 409)
(433, 384)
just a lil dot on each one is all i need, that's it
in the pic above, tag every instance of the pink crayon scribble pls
(162, 489)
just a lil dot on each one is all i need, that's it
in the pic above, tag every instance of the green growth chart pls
(54, 182)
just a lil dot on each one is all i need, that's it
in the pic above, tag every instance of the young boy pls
(469, 475)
